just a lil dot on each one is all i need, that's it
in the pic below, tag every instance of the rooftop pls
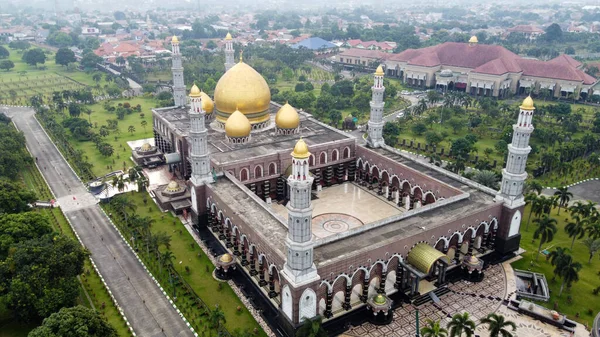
(262, 142)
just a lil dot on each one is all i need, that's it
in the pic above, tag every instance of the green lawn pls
(200, 277)
(581, 292)
(122, 153)
(27, 81)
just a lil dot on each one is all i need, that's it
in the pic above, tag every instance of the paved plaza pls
(346, 206)
(479, 299)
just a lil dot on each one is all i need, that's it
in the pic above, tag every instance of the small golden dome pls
(207, 103)
(173, 186)
(473, 39)
(301, 150)
(195, 91)
(379, 299)
(527, 104)
(379, 71)
(228, 36)
(174, 39)
(226, 258)
(243, 88)
(237, 125)
(146, 147)
(287, 117)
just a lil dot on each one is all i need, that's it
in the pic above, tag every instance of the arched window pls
(311, 160)
(323, 158)
(257, 171)
(346, 153)
(244, 174)
(334, 155)
(272, 169)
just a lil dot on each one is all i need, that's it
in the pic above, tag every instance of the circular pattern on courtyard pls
(333, 223)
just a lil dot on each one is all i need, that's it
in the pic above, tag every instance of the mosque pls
(322, 224)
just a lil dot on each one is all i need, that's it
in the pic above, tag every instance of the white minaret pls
(177, 70)
(514, 175)
(148, 22)
(199, 156)
(229, 61)
(375, 137)
(299, 268)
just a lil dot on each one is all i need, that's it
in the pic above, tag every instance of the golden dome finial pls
(195, 92)
(300, 150)
(379, 71)
(527, 104)
(287, 117)
(241, 56)
(228, 36)
(473, 39)
(174, 39)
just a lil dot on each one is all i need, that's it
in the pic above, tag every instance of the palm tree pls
(312, 328)
(131, 129)
(217, 317)
(546, 228)
(498, 326)
(570, 274)
(578, 208)
(486, 178)
(558, 258)
(564, 196)
(593, 229)
(593, 246)
(461, 323)
(422, 105)
(576, 229)
(533, 200)
(433, 329)
(534, 185)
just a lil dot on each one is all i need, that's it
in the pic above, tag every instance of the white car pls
(401, 114)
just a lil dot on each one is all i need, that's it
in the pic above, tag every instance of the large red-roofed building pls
(483, 70)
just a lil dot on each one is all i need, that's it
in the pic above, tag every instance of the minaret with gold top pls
(229, 51)
(177, 70)
(199, 155)
(299, 268)
(513, 179)
(375, 133)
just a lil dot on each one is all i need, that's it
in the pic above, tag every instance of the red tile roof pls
(566, 59)
(355, 52)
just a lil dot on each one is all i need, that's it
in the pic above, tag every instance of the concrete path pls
(143, 303)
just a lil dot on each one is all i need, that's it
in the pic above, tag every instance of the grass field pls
(122, 152)
(200, 277)
(91, 286)
(25, 80)
(582, 299)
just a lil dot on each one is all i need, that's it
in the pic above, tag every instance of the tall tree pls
(593, 246)
(564, 196)
(34, 56)
(558, 258)
(532, 200)
(569, 274)
(461, 324)
(546, 228)
(64, 56)
(216, 318)
(75, 321)
(498, 326)
(576, 229)
(15, 197)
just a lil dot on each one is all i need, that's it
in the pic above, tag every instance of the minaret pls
(177, 69)
(299, 268)
(229, 61)
(375, 137)
(513, 180)
(199, 156)
(148, 22)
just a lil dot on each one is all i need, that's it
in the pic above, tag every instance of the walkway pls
(143, 303)
(588, 190)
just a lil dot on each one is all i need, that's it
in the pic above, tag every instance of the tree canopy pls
(77, 321)
(34, 56)
(64, 56)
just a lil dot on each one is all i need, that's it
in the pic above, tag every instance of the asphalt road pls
(147, 309)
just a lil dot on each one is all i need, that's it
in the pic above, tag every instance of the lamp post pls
(418, 334)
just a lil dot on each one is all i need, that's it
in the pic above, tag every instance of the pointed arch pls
(322, 158)
(328, 285)
(311, 160)
(385, 177)
(344, 277)
(444, 240)
(335, 155)
(417, 192)
(286, 301)
(346, 153)
(308, 305)
(272, 169)
(258, 171)
(375, 172)
(429, 197)
(244, 174)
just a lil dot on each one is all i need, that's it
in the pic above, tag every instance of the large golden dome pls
(527, 104)
(242, 88)
(237, 125)
(207, 103)
(287, 117)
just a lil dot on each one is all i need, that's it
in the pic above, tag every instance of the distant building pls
(528, 31)
(317, 45)
(371, 45)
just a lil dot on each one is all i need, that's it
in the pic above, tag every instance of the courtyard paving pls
(479, 299)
